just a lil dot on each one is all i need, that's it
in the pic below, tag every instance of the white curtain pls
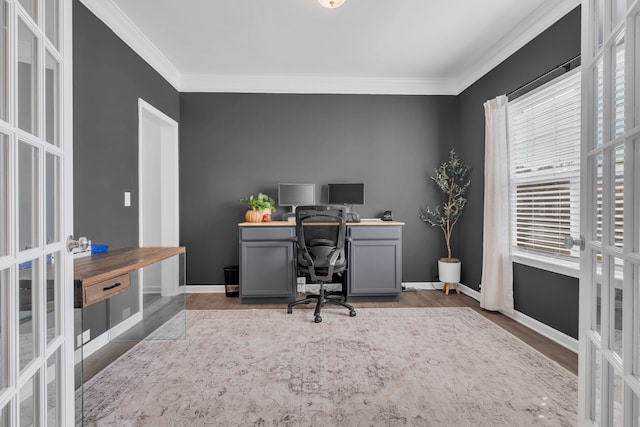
(496, 293)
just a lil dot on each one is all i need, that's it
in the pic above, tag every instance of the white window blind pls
(544, 127)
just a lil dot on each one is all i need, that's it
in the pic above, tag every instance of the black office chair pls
(320, 243)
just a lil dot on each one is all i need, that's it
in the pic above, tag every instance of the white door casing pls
(158, 186)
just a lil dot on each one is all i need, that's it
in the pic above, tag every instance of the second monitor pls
(346, 194)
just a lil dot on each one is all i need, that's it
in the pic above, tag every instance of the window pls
(544, 127)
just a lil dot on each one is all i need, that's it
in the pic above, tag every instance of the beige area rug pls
(385, 367)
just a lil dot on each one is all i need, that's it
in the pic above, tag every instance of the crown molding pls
(109, 13)
(545, 16)
(316, 84)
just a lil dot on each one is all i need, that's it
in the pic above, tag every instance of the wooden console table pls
(101, 276)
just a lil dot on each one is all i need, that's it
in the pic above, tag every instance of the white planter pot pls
(449, 272)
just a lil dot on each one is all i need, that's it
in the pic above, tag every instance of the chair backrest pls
(321, 232)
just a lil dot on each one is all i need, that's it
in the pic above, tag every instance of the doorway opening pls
(158, 186)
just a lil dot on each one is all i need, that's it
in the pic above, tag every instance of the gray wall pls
(108, 79)
(234, 145)
(544, 296)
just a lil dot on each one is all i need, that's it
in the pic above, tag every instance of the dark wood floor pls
(420, 298)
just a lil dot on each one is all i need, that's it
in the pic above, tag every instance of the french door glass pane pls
(30, 7)
(52, 95)
(28, 285)
(4, 415)
(618, 88)
(4, 330)
(616, 312)
(599, 113)
(4, 21)
(599, 24)
(52, 297)
(618, 389)
(27, 79)
(28, 403)
(595, 376)
(618, 213)
(597, 294)
(598, 169)
(52, 196)
(4, 194)
(636, 77)
(53, 388)
(636, 324)
(619, 7)
(27, 196)
(52, 21)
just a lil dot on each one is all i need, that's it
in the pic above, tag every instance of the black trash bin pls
(231, 281)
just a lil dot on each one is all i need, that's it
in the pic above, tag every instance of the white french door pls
(609, 385)
(36, 205)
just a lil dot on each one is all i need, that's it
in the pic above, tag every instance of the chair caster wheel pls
(318, 319)
(352, 314)
(289, 310)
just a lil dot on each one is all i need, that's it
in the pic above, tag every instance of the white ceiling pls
(366, 46)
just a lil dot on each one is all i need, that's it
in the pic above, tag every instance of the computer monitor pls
(296, 194)
(346, 194)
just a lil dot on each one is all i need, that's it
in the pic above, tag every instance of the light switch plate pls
(127, 198)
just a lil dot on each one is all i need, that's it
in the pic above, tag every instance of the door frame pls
(169, 181)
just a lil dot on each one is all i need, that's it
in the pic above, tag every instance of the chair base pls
(321, 300)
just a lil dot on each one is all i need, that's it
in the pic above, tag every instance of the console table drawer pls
(375, 232)
(105, 289)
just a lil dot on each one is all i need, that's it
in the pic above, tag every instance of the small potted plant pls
(451, 179)
(260, 208)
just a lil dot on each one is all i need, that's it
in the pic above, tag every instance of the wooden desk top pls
(293, 224)
(115, 262)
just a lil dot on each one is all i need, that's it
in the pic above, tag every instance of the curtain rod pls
(566, 65)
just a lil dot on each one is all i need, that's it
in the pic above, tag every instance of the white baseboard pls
(564, 340)
(94, 345)
(124, 325)
(205, 289)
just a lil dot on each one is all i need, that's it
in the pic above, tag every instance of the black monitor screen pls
(296, 194)
(346, 194)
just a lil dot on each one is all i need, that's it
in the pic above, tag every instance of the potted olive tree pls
(451, 179)
(260, 208)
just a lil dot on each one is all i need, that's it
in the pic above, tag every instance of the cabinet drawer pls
(106, 289)
(377, 232)
(266, 233)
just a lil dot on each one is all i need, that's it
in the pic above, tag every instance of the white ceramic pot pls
(449, 272)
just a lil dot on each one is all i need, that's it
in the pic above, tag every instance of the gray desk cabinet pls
(375, 262)
(266, 264)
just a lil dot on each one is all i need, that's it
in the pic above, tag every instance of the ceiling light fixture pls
(331, 4)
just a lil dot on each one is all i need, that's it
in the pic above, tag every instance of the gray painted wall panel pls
(233, 145)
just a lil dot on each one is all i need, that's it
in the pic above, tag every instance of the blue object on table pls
(25, 265)
(98, 248)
